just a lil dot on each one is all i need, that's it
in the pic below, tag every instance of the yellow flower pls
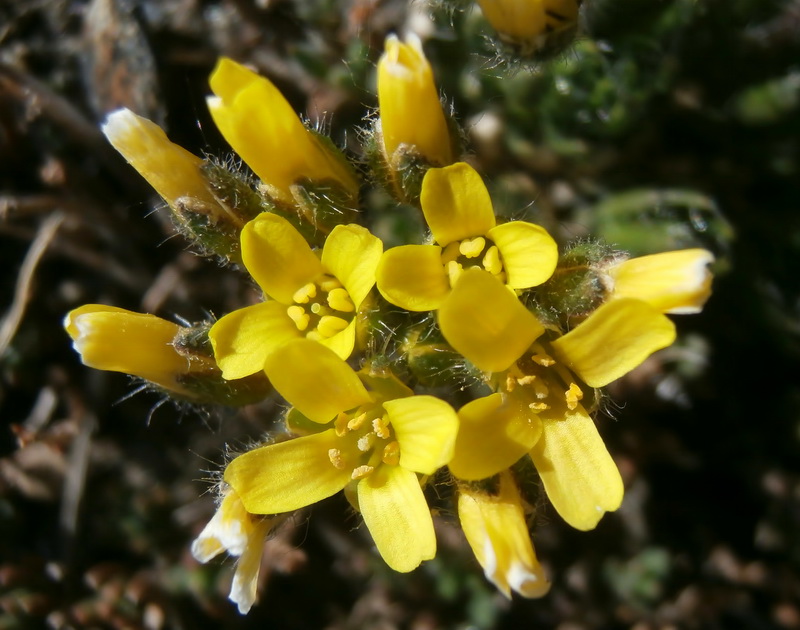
(495, 526)
(169, 168)
(536, 409)
(317, 298)
(677, 282)
(241, 534)
(378, 440)
(265, 131)
(117, 340)
(459, 212)
(529, 24)
(411, 116)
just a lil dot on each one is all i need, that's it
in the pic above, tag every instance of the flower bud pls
(412, 133)
(174, 358)
(181, 179)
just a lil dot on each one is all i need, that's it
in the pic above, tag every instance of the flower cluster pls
(471, 361)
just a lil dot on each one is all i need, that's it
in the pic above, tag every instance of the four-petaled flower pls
(459, 213)
(313, 297)
(373, 433)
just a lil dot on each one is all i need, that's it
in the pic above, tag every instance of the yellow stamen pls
(299, 316)
(335, 455)
(545, 360)
(381, 428)
(450, 253)
(492, 262)
(540, 406)
(341, 423)
(365, 442)
(305, 293)
(356, 422)
(453, 271)
(391, 453)
(527, 379)
(573, 395)
(511, 383)
(339, 299)
(362, 471)
(329, 283)
(472, 247)
(329, 325)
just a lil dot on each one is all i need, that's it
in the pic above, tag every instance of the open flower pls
(495, 526)
(265, 131)
(312, 297)
(377, 439)
(241, 534)
(536, 409)
(118, 340)
(459, 212)
(411, 116)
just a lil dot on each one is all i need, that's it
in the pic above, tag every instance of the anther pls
(362, 471)
(355, 423)
(450, 253)
(472, 247)
(305, 293)
(391, 453)
(365, 442)
(453, 272)
(539, 406)
(329, 325)
(573, 395)
(492, 262)
(381, 428)
(299, 316)
(339, 299)
(545, 360)
(335, 455)
(341, 423)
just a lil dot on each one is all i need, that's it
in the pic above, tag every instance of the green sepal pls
(577, 287)
(210, 387)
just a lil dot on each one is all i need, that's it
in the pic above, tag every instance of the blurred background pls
(666, 124)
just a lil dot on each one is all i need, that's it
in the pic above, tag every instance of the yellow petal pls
(410, 110)
(529, 253)
(290, 475)
(672, 282)
(615, 339)
(581, 479)
(278, 257)
(398, 517)
(352, 254)
(313, 379)
(455, 203)
(243, 339)
(167, 167)
(117, 340)
(413, 277)
(265, 131)
(343, 342)
(494, 432)
(486, 322)
(426, 429)
(497, 531)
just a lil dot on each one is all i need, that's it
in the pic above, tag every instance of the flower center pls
(322, 308)
(542, 381)
(472, 252)
(369, 429)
